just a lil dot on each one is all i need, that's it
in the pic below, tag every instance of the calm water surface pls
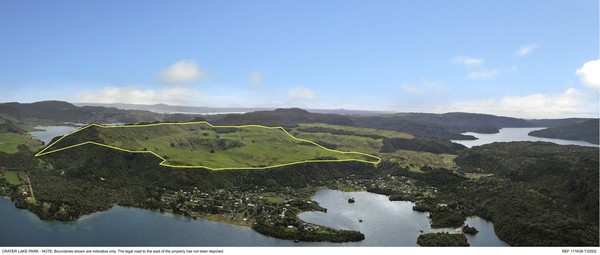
(385, 222)
(51, 132)
(122, 226)
(514, 135)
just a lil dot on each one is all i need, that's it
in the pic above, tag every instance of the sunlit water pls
(50, 132)
(385, 222)
(514, 135)
(122, 226)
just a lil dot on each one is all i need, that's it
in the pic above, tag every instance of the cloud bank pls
(132, 95)
(570, 103)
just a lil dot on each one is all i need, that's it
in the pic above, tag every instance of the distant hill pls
(583, 131)
(460, 122)
(284, 117)
(164, 108)
(408, 126)
(8, 126)
(556, 122)
(67, 112)
(446, 125)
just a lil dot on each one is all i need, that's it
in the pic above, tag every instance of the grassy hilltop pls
(199, 144)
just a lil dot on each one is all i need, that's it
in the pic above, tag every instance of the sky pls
(529, 59)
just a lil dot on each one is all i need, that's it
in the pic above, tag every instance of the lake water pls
(51, 132)
(514, 135)
(385, 222)
(122, 226)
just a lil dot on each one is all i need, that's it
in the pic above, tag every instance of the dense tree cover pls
(460, 122)
(524, 217)
(337, 132)
(283, 117)
(540, 193)
(8, 126)
(568, 175)
(442, 239)
(536, 194)
(298, 233)
(421, 143)
(556, 122)
(67, 112)
(22, 160)
(408, 126)
(128, 176)
(469, 230)
(587, 130)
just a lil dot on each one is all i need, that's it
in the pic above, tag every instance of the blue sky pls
(517, 58)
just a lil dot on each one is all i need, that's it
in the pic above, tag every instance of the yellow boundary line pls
(45, 152)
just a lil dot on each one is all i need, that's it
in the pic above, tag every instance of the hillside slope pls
(540, 194)
(200, 144)
(583, 131)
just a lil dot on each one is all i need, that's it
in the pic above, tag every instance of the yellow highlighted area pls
(203, 145)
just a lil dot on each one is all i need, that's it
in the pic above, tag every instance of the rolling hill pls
(587, 130)
(202, 145)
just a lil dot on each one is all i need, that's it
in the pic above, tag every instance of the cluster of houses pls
(242, 206)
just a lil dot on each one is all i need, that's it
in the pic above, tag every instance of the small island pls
(469, 230)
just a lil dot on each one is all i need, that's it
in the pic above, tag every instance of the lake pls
(121, 226)
(50, 132)
(514, 135)
(385, 222)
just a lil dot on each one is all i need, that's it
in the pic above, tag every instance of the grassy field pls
(274, 200)
(12, 177)
(416, 160)
(359, 131)
(343, 142)
(10, 141)
(198, 144)
(345, 138)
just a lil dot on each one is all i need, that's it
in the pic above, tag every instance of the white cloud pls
(178, 95)
(467, 61)
(301, 93)
(256, 77)
(483, 75)
(182, 72)
(570, 103)
(589, 74)
(525, 50)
